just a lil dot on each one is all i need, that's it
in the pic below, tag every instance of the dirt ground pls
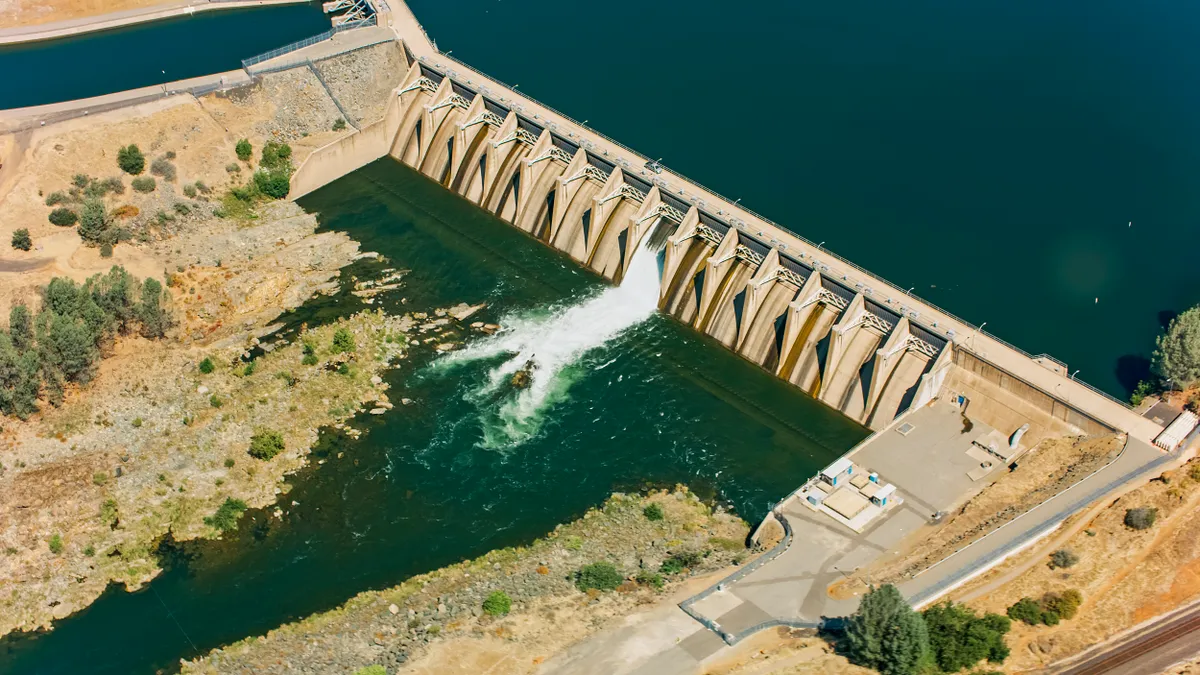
(1051, 467)
(1126, 576)
(15, 13)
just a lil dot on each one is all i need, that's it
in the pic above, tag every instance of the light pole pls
(1074, 373)
(820, 245)
(909, 291)
(977, 332)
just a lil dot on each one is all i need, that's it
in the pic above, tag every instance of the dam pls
(845, 337)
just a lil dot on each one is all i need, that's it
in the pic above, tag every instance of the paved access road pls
(1148, 651)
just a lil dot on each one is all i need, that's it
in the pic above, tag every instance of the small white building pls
(1176, 431)
(841, 467)
(880, 498)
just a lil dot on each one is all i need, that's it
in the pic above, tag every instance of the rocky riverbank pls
(436, 622)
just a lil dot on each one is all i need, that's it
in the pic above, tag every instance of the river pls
(148, 54)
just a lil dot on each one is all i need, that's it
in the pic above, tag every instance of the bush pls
(265, 444)
(1140, 392)
(244, 150)
(21, 240)
(653, 512)
(189, 191)
(204, 189)
(108, 512)
(164, 169)
(106, 250)
(1052, 608)
(1141, 518)
(343, 341)
(497, 603)
(56, 544)
(648, 578)
(229, 462)
(56, 198)
(143, 184)
(1063, 558)
(276, 155)
(275, 183)
(958, 638)
(602, 576)
(233, 167)
(339, 124)
(206, 366)
(1177, 352)
(1064, 605)
(215, 401)
(226, 516)
(250, 368)
(371, 670)
(80, 180)
(309, 360)
(886, 634)
(63, 217)
(131, 160)
(1026, 610)
(680, 561)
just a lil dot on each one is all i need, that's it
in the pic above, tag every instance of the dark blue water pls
(989, 153)
(149, 54)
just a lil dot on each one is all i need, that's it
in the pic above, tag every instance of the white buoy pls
(1097, 301)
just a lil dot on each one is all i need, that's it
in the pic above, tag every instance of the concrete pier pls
(841, 334)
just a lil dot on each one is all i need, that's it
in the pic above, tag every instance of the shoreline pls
(74, 27)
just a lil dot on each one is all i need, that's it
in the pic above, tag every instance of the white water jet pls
(548, 345)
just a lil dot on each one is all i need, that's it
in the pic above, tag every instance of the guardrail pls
(301, 44)
(949, 336)
(734, 638)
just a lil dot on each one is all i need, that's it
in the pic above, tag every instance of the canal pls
(148, 54)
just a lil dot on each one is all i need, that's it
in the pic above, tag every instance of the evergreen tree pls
(20, 327)
(93, 221)
(959, 638)
(67, 346)
(1177, 354)
(151, 311)
(886, 634)
(20, 379)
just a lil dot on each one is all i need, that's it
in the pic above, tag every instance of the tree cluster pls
(63, 343)
(1176, 359)
(1051, 609)
(886, 634)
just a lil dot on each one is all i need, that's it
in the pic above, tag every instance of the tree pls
(93, 221)
(243, 150)
(67, 346)
(20, 378)
(131, 160)
(653, 512)
(601, 575)
(276, 155)
(1141, 518)
(497, 603)
(21, 239)
(343, 341)
(958, 638)
(1026, 610)
(886, 634)
(265, 444)
(63, 217)
(20, 327)
(151, 312)
(1063, 558)
(275, 183)
(1177, 353)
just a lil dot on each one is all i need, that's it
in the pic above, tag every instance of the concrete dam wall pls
(841, 335)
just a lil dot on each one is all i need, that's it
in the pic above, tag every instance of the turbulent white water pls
(553, 343)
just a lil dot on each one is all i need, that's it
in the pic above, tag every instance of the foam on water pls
(553, 343)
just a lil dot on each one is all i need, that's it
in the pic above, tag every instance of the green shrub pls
(1026, 610)
(1063, 558)
(164, 169)
(1140, 392)
(680, 561)
(108, 512)
(250, 368)
(653, 512)
(131, 160)
(144, 184)
(189, 191)
(63, 217)
(309, 360)
(573, 542)
(137, 422)
(233, 167)
(497, 603)
(229, 462)
(55, 198)
(601, 575)
(371, 670)
(206, 366)
(726, 544)
(106, 250)
(21, 239)
(204, 189)
(181, 208)
(227, 514)
(94, 222)
(1141, 518)
(648, 578)
(276, 155)
(89, 550)
(1176, 355)
(275, 183)
(339, 124)
(265, 444)
(80, 180)
(99, 478)
(1065, 605)
(56, 544)
(343, 341)
(343, 369)
(215, 401)
(244, 150)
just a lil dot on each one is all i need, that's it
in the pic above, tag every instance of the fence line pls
(738, 224)
(301, 44)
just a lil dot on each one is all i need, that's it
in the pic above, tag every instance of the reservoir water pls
(622, 399)
(150, 53)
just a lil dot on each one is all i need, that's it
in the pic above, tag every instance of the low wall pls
(348, 153)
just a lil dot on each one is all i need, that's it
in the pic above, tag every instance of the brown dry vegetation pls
(16, 13)
(1126, 576)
